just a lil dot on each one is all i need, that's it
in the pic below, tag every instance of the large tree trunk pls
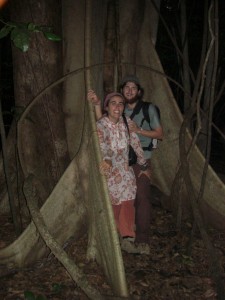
(81, 194)
(43, 142)
(43, 149)
(165, 160)
(102, 234)
(89, 201)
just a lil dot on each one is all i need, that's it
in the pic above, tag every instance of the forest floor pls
(168, 273)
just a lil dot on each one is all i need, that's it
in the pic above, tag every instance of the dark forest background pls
(170, 15)
(170, 21)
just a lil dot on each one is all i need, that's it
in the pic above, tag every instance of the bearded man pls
(147, 131)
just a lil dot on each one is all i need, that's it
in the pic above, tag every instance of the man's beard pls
(132, 100)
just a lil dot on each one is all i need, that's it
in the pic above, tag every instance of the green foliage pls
(20, 33)
(51, 36)
(28, 295)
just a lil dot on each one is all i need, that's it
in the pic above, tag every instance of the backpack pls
(145, 107)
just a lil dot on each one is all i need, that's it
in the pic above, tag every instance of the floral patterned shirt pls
(114, 143)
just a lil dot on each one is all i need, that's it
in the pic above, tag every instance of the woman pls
(114, 143)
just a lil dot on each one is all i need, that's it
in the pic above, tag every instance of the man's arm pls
(93, 98)
(156, 133)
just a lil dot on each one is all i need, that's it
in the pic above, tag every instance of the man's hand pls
(133, 127)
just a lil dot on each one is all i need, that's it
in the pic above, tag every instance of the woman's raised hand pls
(93, 98)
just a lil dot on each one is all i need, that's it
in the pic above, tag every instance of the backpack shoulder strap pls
(137, 109)
(145, 108)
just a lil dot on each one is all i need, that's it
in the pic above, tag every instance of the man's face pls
(130, 92)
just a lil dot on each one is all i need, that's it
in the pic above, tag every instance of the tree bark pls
(43, 145)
